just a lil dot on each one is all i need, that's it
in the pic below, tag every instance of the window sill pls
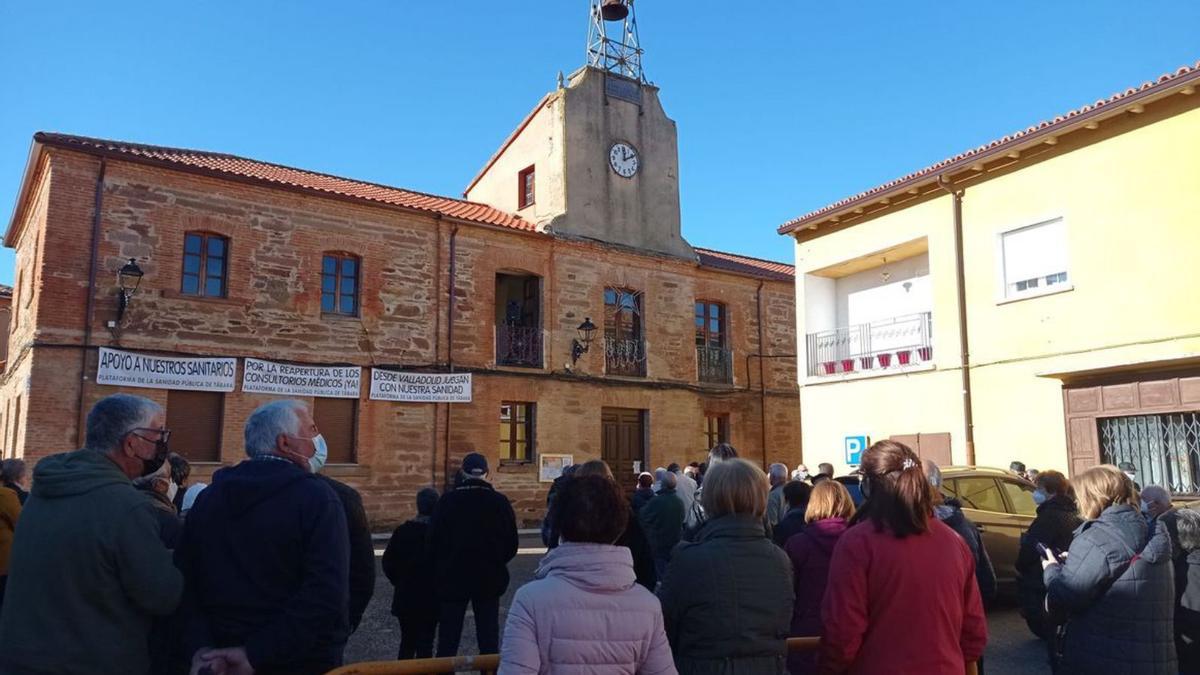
(177, 295)
(715, 385)
(868, 374)
(1040, 293)
(333, 316)
(514, 464)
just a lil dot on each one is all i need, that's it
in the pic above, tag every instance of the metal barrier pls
(489, 663)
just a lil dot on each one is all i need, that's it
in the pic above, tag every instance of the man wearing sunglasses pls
(88, 570)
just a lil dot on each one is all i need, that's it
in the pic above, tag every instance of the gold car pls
(1001, 505)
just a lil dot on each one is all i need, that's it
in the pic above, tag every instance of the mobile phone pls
(1041, 549)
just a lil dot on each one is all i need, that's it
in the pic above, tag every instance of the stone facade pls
(272, 310)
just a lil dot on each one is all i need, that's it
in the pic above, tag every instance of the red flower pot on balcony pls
(885, 360)
(830, 367)
(866, 362)
(847, 365)
(926, 353)
(904, 356)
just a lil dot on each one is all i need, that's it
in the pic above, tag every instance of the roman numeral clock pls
(623, 159)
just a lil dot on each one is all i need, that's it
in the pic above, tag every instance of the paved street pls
(1011, 649)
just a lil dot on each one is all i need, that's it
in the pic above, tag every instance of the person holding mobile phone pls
(1057, 518)
(1115, 586)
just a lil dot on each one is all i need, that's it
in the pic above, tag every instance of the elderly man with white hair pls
(776, 504)
(88, 573)
(265, 553)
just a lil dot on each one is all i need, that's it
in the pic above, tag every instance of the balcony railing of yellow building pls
(876, 346)
(490, 663)
(625, 356)
(714, 364)
(519, 346)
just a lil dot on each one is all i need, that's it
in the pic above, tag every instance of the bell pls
(614, 10)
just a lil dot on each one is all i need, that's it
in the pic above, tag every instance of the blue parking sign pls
(854, 449)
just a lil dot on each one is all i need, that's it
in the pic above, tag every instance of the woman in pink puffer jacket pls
(584, 612)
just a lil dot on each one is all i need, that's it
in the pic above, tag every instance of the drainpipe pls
(956, 194)
(89, 313)
(762, 382)
(450, 284)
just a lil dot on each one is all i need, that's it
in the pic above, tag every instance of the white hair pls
(778, 472)
(669, 481)
(268, 421)
(113, 417)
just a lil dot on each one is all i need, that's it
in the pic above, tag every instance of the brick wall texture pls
(272, 310)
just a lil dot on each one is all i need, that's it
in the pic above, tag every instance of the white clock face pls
(623, 158)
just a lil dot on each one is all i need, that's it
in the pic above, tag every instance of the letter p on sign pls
(854, 449)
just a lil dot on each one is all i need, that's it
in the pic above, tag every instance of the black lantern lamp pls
(579, 346)
(129, 277)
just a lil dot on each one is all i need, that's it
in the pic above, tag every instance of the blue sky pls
(782, 105)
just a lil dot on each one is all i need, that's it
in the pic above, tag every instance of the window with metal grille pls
(525, 187)
(339, 284)
(337, 420)
(714, 363)
(624, 345)
(205, 264)
(195, 420)
(716, 429)
(1165, 449)
(516, 431)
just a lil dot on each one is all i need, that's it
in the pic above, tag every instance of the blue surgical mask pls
(317, 461)
(1145, 507)
(1039, 497)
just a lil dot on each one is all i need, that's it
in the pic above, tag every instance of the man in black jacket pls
(409, 567)
(265, 556)
(950, 513)
(362, 550)
(473, 535)
(796, 493)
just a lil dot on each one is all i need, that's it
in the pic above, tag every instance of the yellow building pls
(1065, 332)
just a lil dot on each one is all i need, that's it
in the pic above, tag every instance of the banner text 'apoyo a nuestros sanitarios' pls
(128, 369)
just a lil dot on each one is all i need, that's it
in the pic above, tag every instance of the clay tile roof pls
(5, 291)
(1191, 72)
(756, 267)
(276, 174)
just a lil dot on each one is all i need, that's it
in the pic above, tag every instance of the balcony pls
(714, 364)
(625, 356)
(890, 344)
(519, 346)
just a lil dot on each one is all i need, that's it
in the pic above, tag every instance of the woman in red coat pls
(902, 596)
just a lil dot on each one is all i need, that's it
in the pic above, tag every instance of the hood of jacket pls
(1129, 526)
(825, 533)
(246, 485)
(598, 568)
(75, 473)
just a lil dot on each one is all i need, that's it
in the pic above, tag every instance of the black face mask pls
(155, 463)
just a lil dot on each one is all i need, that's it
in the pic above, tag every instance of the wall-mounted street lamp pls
(129, 277)
(579, 346)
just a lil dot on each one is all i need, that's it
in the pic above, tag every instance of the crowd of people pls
(119, 565)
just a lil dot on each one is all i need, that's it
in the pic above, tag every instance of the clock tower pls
(597, 158)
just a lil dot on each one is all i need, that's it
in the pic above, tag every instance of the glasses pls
(164, 434)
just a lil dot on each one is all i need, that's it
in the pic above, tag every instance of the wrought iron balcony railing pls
(519, 346)
(625, 356)
(879, 345)
(714, 364)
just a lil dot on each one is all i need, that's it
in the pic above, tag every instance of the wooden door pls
(623, 442)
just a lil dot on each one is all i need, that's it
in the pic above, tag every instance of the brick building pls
(244, 259)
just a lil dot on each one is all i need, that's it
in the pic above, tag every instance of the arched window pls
(339, 284)
(205, 264)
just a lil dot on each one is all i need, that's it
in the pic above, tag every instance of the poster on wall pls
(286, 379)
(551, 466)
(393, 385)
(196, 373)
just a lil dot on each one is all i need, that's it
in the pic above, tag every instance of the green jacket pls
(727, 600)
(87, 575)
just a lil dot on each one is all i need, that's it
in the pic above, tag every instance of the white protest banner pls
(285, 379)
(197, 373)
(391, 385)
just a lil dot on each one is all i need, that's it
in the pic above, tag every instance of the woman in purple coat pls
(829, 510)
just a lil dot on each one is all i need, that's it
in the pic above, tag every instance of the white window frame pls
(1002, 294)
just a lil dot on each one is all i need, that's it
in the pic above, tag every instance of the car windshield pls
(1020, 496)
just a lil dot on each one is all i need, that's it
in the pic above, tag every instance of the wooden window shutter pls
(194, 418)
(337, 420)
